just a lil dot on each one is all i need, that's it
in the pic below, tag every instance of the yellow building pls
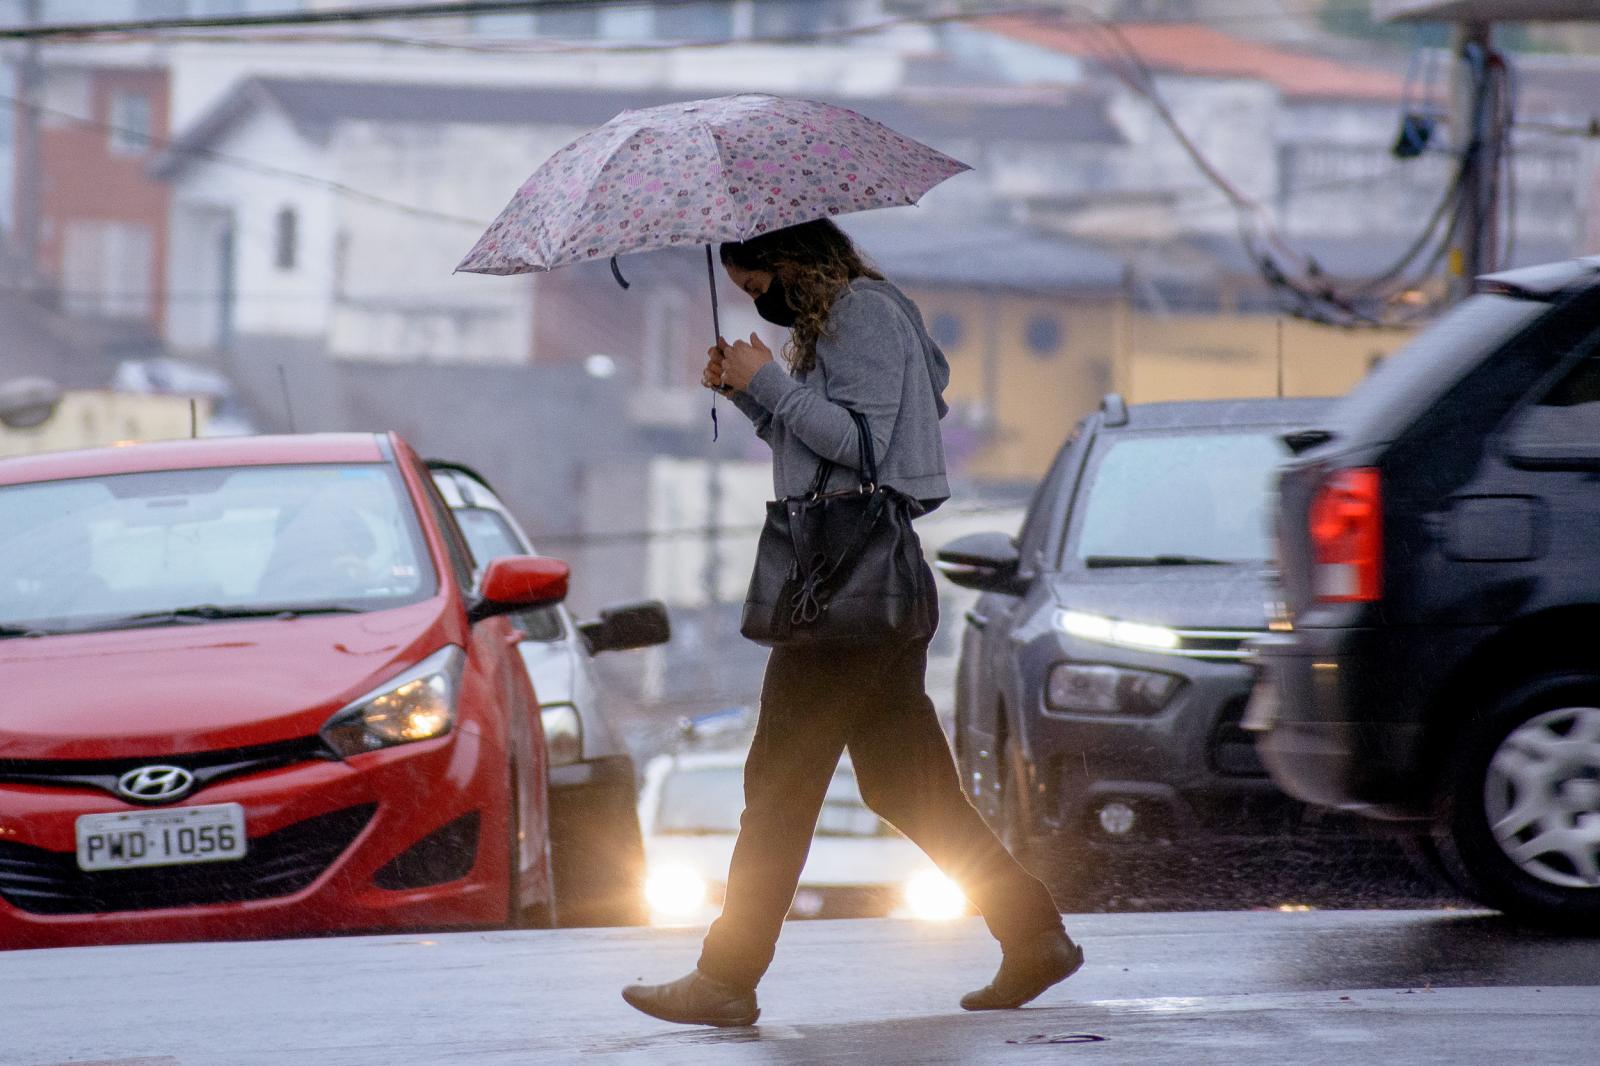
(88, 418)
(1200, 357)
(1025, 366)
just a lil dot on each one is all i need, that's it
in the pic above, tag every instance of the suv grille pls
(40, 881)
(208, 767)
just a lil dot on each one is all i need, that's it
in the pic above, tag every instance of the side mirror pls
(987, 562)
(517, 582)
(634, 625)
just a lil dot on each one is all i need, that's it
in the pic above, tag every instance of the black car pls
(1439, 538)
(1101, 680)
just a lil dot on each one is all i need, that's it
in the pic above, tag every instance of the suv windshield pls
(1171, 499)
(199, 545)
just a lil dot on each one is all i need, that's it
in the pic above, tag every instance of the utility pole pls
(1475, 247)
(29, 175)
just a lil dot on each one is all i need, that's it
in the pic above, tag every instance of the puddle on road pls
(750, 1034)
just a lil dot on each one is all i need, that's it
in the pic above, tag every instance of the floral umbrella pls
(701, 172)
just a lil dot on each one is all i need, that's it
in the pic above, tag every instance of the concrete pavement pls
(1242, 988)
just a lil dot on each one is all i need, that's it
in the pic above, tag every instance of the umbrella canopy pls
(700, 172)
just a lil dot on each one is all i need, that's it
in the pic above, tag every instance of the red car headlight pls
(419, 704)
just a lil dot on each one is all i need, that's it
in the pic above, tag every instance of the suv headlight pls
(1085, 688)
(419, 704)
(563, 733)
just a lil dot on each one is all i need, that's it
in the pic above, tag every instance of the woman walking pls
(856, 344)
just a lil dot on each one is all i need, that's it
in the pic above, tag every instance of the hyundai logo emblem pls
(155, 784)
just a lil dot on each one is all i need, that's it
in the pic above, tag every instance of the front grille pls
(208, 767)
(40, 881)
(1232, 750)
(1225, 644)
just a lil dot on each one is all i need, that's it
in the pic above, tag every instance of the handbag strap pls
(866, 458)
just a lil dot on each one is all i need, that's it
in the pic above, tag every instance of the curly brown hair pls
(816, 260)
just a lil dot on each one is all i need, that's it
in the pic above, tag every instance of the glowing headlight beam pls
(1111, 631)
(674, 891)
(933, 897)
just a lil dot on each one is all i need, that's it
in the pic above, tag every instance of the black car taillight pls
(1346, 526)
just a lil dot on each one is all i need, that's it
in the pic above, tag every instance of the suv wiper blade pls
(210, 612)
(1097, 562)
(22, 631)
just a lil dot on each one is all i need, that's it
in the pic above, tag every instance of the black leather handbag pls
(842, 567)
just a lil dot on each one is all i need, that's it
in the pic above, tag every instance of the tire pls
(1518, 818)
(1060, 860)
(1016, 829)
(541, 915)
(599, 853)
(1422, 854)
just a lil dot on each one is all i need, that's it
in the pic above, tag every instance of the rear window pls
(1564, 423)
(1402, 387)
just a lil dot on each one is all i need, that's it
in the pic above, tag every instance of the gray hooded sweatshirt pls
(875, 357)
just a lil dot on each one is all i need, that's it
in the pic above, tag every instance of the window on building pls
(578, 23)
(108, 269)
(709, 20)
(286, 239)
(130, 123)
(502, 24)
(776, 18)
(1043, 334)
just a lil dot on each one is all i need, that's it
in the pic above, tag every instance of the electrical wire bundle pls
(1404, 291)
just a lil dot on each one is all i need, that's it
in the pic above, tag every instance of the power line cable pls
(373, 13)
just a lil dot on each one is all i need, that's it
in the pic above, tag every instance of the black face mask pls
(773, 305)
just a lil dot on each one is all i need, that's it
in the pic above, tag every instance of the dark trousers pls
(815, 704)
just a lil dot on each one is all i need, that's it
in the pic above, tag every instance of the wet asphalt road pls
(1324, 987)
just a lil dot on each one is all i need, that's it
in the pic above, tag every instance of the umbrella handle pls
(711, 276)
(716, 330)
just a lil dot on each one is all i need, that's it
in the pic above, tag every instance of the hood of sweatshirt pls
(938, 365)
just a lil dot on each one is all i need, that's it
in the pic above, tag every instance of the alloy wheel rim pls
(1542, 797)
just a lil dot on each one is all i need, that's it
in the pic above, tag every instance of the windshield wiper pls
(22, 631)
(1097, 562)
(210, 612)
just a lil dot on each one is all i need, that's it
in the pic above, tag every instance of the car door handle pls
(976, 620)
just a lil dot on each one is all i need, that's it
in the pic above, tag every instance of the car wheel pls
(1016, 824)
(1518, 825)
(1061, 861)
(541, 915)
(599, 854)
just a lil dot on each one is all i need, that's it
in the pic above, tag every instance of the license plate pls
(1262, 710)
(181, 835)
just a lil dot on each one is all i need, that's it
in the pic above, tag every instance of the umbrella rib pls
(722, 170)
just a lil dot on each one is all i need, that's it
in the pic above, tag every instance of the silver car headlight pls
(1105, 630)
(419, 704)
(563, 733)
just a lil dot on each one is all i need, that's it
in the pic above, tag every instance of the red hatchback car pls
(251, 690)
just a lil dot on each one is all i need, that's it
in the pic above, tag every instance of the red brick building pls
(102, 217)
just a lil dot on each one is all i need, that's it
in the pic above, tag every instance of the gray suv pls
(1102, 675)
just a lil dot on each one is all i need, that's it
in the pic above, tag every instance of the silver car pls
(596, 846)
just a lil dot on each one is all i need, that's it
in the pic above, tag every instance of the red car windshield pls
(194, 545)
